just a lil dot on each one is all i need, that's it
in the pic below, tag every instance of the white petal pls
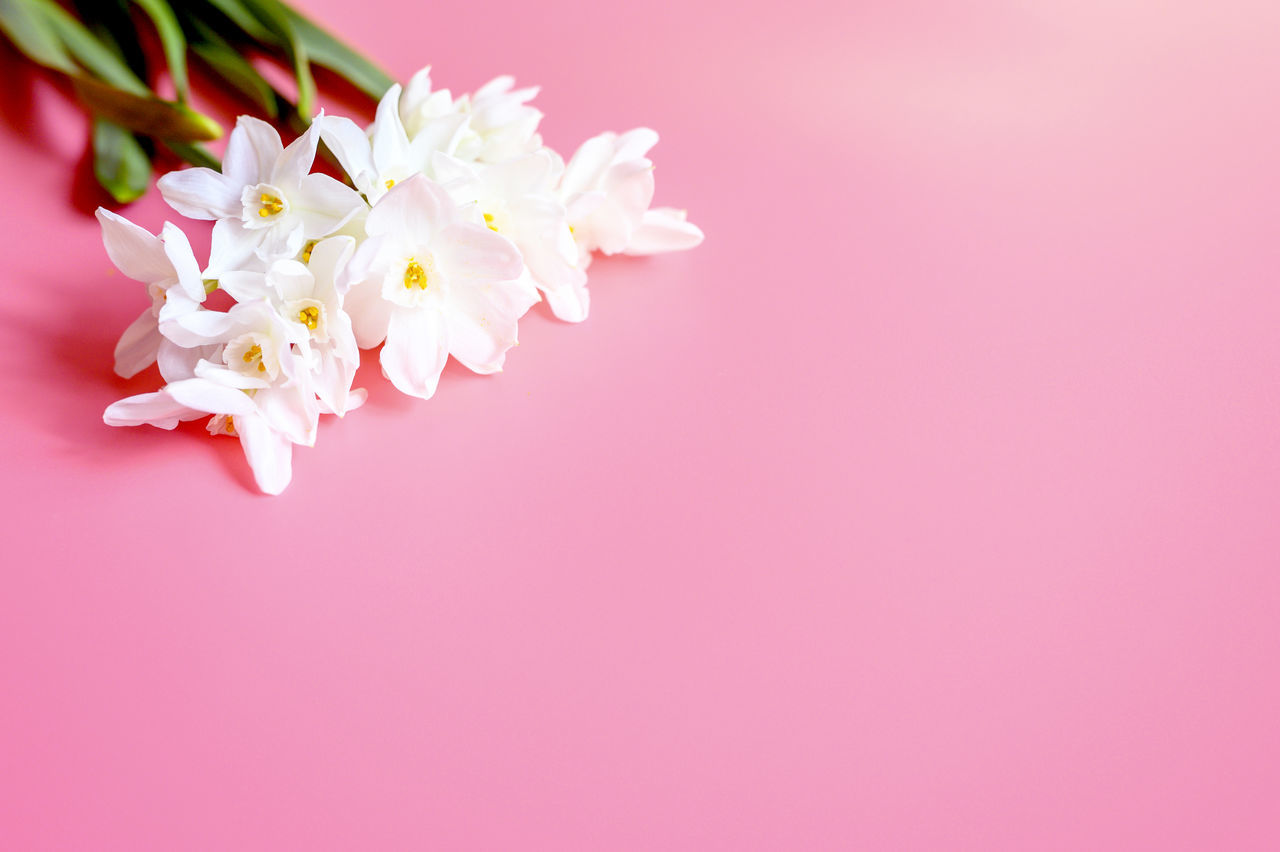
(390, 142)
(270, 454)
(416, 207)
(226, 377)
(370, 313)
(210, 397)
(178, 249)
(324, 204)
(198, 328)
(350, 144)
(295, 161)
(138, 345)
(245, 286)
(232, 248)
(201, 193)
(470, 252)
(177, 363)
(290, 411)
(588, 164)
(415, 352)
(663, 229)
(157, 409)
(570, 304)
(252, 152)
(134, 250)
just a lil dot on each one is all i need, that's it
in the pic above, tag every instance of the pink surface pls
(931, 503)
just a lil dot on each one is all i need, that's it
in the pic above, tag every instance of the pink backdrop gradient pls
(930, 504)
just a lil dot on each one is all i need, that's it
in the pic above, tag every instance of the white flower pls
(517, 199)
(607, 188)
(381, 157)
(254, 382)
(308, 299)
(265, 191)
(167, 266)
(501, 124)
(431, 285)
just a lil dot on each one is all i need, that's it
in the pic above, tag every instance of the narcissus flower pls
(266, 190)
(455, 219)
(432, 284)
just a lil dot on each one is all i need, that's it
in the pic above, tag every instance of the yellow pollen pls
(307, 249)
(254, 353)
(415, 276)
(571, 230)
(231, 426)
(310, 317)
(488, 220)
(390, 183)
(271, 205)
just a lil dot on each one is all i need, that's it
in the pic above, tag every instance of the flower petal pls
(350, 144)
(201, 193)
(324, 205)
(417, 207)
(473, 253)
(415, 352)
(269, 453)
(138, 345)
(177, 249)
(210, 397)
(252, 151)
(134, 250)
(156, 409)
(570, 304)
(663, 229)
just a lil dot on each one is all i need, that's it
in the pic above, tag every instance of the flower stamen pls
(488, 221)
(310, 317)
(254, 353)
(271, 205)
(415, 276)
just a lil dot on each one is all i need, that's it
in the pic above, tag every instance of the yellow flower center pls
(390, 183)
(271, 205)
(415, 275)
(307, 249)
(310, 317)
(488, 220)
(254, 353)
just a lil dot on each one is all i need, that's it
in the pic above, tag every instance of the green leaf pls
(326, 50)
(230, 63)
(146, 113)
(90, 53)
(32, 34)
(273, 15)
(172, 42)
(193, 153)
(120, 162)
(243, 17)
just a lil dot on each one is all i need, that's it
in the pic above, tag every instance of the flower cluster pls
(455, 219)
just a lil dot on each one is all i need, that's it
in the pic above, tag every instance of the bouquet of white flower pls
(455, 219)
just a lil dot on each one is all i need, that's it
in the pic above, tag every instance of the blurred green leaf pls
(172, 42)
(28, 29)
(230, 63)
(146, 113)
(120, 162)
(193, 153)
(331, 53)
(88, 51)
(273, 15)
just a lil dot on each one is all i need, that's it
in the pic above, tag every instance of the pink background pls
(932, 503)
